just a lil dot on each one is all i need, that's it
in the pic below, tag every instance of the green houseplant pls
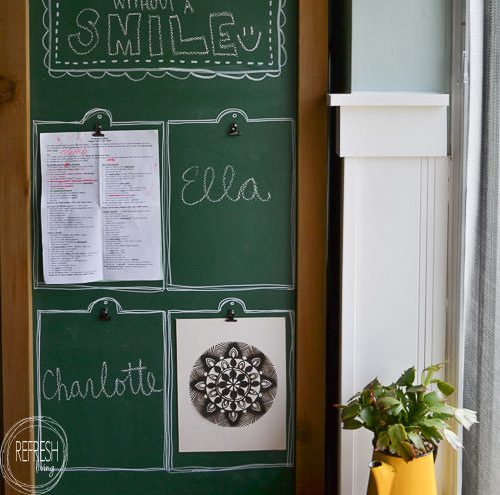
(407, 419)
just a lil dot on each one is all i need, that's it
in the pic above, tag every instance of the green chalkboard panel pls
(189, 69)
(242, 205)
(107, 378)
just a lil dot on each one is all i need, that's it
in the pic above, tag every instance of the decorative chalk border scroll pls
(250, 191)
(90, 119)
(108, 302)
(180, 460)
(156, 38)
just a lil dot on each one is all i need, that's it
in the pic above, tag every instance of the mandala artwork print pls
(233, 384)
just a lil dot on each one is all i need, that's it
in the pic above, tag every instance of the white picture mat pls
(194, 337)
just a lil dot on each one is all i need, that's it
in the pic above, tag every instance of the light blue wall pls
(400, 45)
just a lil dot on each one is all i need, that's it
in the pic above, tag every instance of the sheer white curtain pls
(481, 458)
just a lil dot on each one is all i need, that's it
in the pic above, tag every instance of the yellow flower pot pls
(391, 475)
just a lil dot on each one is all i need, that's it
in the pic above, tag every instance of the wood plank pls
(15, 273)
(312, 224)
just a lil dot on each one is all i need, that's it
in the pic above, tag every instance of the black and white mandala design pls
(233, 384)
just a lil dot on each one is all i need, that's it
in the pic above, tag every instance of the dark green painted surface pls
(123, 430)
(242, 208)
(108, 423)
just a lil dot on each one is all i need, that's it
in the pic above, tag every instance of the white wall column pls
(394, 149)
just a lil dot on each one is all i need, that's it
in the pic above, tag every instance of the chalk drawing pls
(86, 21)
(222, 46)
(124, 46)
(228, 177)
(235, 55)
(249, 38)
(54, 386)
(197, 45)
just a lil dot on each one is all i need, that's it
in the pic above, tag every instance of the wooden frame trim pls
(15, 245)
(312, 246)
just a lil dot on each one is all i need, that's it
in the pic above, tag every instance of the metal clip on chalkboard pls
(98, 131)
(233, 130)
(230, 316)
(104, 315)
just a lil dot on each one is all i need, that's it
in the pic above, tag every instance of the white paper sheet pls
(100, 206)
(199, 434)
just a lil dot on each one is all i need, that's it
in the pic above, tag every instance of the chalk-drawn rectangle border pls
(167, 381)
(254, 71)
(37, 127)
(200, 313)
(170, 284)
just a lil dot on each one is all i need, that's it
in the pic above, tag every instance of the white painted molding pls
(393, 284)
(385, 99)
(394, 261)
(391, 124)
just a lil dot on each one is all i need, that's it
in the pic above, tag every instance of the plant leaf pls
(442, 409)
(444, 387)
(434, 368)
(370, 416)
(351, 424)
(416, 440)
(432, 398)
(407, 451)
(466, 417)
(368, 393)
(434, 423)
(399, 442)
(350, 411)
(396, 410)
(407, 378)
(437, 405)
(416, 389)
(431, 433)
(383, 441)
(397, 434)
(418, 411)
(354, 398)
(429, 372)
(372, 385)
(388, 402)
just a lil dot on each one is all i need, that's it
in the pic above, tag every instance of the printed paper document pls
(100, 206)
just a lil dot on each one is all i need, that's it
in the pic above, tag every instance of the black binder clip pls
(98, 131)
(104, 315)
(233, 130)
(230, 316)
